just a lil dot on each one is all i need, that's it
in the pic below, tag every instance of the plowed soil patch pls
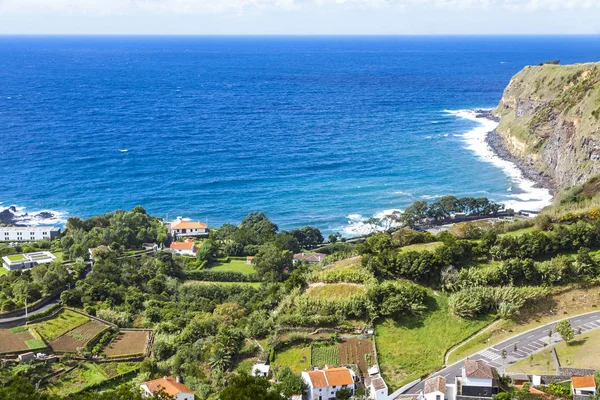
(127, 343)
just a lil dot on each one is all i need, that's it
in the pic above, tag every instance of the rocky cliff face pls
(550, 121)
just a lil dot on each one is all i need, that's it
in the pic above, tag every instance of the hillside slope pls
(550, 120)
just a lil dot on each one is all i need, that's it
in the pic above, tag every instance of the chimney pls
(165, 378)
(177, 379)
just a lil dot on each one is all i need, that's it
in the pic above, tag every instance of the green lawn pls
(519, 232)
(16, 257)
(88, 374)
(414, 346)
(422, 247)
(334, 290)
(252, 284)
(295, 357)
(234, 265)
(35, 344)
(581, 352)
(62, 323)
(539, 364)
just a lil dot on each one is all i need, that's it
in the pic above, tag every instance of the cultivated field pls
(234, 265)
(128, 343)
(334, 290)
(85, 375)
(71, 341)
(19, 339)
(295, 357)
(357, 351)
(64, 322)
(325, 355)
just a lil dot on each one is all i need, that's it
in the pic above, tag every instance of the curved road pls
(526, 343)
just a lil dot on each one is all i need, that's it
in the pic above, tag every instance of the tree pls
(246, 387)
(271, 262)
(333, 238)
(290, 383)
(565, 330)
(414, 214)
(343, 394)
(207, 250)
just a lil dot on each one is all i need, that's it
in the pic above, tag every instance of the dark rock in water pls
(45, 215)
(487, 114)
(529, 171)
(7, 216)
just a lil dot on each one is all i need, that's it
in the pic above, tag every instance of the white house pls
(325, 383)
(169, 385)
(478, 379)
(584, 385)
(250, 260)
(435, 388)
(27, 233)
(378, 390)
(260, 369)
(184, 227)
(27, 260)
(311, 258)
(187, 248)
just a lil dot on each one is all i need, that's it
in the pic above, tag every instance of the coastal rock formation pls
(550, 123)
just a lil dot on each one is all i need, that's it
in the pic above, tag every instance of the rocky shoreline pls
(10, 216)
(496, 143)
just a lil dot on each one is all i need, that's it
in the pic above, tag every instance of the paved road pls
(526, 343)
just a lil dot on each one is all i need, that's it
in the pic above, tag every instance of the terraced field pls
(357, 351)
(19, 339)
(78, 337)
(128, 343)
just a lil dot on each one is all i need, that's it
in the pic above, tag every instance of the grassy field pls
(334, 290)
(582, 352)
(539, 363)
(346, 263)
(563, 302)
(295, 357)
(421, 247)
(61, 324)
(234, 265)
(519, 232)
(253, 284)
(411, 347)
(88, 374)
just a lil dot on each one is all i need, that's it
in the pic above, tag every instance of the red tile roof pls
(187, 245)
(580, 382)
(168, 384)
(478, 369)
(188, 225)
(436, 384)
(330, 377)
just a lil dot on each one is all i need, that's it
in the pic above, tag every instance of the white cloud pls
(192, 7)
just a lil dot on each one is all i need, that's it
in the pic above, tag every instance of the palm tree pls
(220, 360)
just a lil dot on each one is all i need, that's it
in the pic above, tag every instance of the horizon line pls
(348, 35)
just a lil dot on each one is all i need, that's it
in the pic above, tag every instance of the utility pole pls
(25, 309)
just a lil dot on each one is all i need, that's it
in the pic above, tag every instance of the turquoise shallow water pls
(313, 130)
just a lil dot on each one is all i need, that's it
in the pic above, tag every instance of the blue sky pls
(299, 17)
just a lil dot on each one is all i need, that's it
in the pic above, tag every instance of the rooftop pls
(29, 228)
(478, 369)
(436, 384)
(168, 384)
(580, 382)
(330, 377)
(187, 245)
(314, 257)
(40, 257)
(187, 225)
(378, 383)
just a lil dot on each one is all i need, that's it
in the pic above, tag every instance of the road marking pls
(577, 320)
(490, 355)
(530, 336)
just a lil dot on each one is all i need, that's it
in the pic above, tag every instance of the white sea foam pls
(27, 217)
(527, 197)
(358, 224)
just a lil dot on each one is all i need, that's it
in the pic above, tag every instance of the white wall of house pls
(27, 233)
(585, 391)
(481, 382)
(435, 396)
(185, 252)
(180, 396)
(322, 393)
(192, 232)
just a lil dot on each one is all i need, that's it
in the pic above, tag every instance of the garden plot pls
(71, 341)
(128, 343)
(359, 352)
(19, 339)
(325, 355)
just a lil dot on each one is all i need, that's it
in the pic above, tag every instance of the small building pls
(435, 388)
(187, 248)
(311, 258)
(583, 385)
(478, 379)
(150, 246)
(250, 260)
(26, 357)
(183, 227)
(323, 384)
(28, 233)
(260, 369)
(378, 389)
(95, 252)
(27, 260)
(169, 385)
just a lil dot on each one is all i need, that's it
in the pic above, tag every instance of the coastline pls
(529, 189)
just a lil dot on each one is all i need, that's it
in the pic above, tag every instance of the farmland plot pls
(325, 355)
(357, 351)
(78, 337)
(128, 343)
(18, 339)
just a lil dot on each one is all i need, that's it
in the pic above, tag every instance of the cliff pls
(550, 121)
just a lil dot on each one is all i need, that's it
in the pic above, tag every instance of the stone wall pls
(576, 371)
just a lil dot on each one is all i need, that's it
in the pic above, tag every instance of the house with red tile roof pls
(187, 248)
(323, 384)
(583, 385)
(183, 227)
(167, 385)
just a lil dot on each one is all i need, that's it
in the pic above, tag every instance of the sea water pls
(325, 131)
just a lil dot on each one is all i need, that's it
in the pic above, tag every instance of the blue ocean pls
(323, 131)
